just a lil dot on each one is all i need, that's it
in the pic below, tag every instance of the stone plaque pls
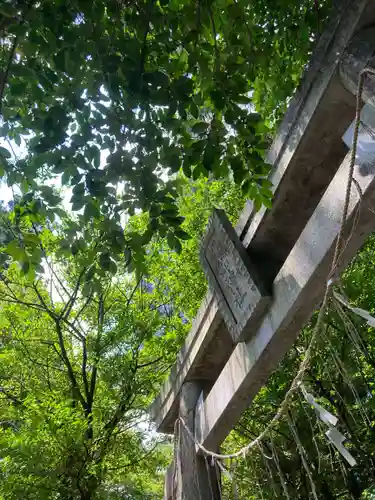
(242, 295)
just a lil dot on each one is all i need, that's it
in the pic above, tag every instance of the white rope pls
(303, 454)
(209, 477)
(312, 434)
(269, 470)
(279, 470)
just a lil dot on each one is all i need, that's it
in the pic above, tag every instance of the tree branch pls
(21, 302)
(73, 381)
(135, 462)
(6, 72)
(84, 373)
(101, 313)
(85, 304)
(11, 56)
(70, 303)
(54, 275)
(125, 403)
(215, 39)
(9, 396)
(144, 46)
(150, 362)
(134, 290)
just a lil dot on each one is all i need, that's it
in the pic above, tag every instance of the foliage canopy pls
(110, 99)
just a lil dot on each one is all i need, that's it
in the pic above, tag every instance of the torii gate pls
(289, 247)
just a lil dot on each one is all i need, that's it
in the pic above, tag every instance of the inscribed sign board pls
(242, 295)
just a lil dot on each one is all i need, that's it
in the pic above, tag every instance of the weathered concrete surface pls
(308, 148)
(297, 290)
(169, 483)
(194, 478)
(239, 288)
(305, 155)
(359, 54)
(207, 323)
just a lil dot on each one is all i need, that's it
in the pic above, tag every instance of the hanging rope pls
(319, 326)
(279, 470)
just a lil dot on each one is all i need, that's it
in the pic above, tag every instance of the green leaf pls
(59, 212)
(173, 242)
(194, 110)
(64, 246)
(176, 221)
(76, 247)
(102, 108)
(93, 153)
(127, 256)
(253, 118)
(65, 178)
(112, 267)
(186, 168)
(15, 251)
(79, 189)
(209, 156)
(31, 238)
(90, 273)
(200, 127)
(91, 211)
(8, 10)
(87, 289)
(169, 212)
(198, 171)
(105, 261)
(157, 78)
(257, 203)
(78, 199)
(18, 88)
(60, 60)
(49, 196)
(4, 153)
(78, 205)
(25, 267)
(267, 202)
(53, 200)
(182, 235)
(242, 99)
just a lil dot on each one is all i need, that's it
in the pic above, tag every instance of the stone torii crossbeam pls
(241, 332)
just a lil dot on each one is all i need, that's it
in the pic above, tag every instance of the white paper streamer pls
(366, 143)
(324, 415)
(334, 436)
(337, 439)
(357, 310)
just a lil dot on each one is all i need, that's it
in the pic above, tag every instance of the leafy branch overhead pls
(112, 99)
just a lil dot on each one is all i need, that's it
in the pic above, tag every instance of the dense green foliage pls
(78, 369)
(76, 376)
(111, 99)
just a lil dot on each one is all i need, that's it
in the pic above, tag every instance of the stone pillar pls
(192, 480)
(360, 53)
(169, 483)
